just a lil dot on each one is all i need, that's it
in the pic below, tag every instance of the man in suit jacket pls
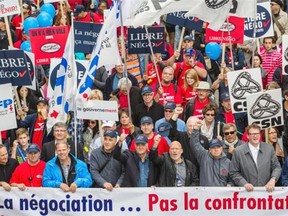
(60, 134)
(255, 164)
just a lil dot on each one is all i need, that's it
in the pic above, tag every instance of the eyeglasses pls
(209, 114)
(229, 132)
(92, 122)
(273, 132)
(253, 134)
(25, 8)
(170, 111)
(60, 131)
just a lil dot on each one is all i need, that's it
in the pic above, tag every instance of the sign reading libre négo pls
(264, 27)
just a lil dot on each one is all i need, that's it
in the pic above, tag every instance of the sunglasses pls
(92, 122)
(230, 132)
(208, 114)
(170, 111)
(25, 8)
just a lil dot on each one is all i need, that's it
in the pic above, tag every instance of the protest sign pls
(98, 110)
(242, 83)
(85, 35)
(138, 40)
(9, 7)
(232, 30)
(7, 110)
(178, 18)
(81, 66)
(13, 68)
(264, 22)
(48, 43)
(285, 54)
(160, 201)
(265, 108)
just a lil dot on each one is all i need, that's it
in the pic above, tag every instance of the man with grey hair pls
(121, 93)
(60, 134)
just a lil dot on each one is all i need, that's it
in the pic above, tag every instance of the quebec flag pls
(63, 96)
(105, 52)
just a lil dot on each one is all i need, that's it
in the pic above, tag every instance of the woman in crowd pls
(63, 14)
(257, 63)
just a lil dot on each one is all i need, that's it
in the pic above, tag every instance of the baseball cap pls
(110, 133)
(170, 105)
(42, 100)
(146, 90)
(215, 142)
(78, 9)
(189, 52)
(203, 85)
(33, 148)
(164, 129)
(141, 139)
(146, 119)
(224, 96)
(108, 123)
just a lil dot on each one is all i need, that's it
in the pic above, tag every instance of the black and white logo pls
(265, 107)
(214, 4)
(244, 84)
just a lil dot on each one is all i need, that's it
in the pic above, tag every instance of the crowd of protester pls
(176, 127)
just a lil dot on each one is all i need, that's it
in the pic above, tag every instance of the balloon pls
(48, 8)
(44, 19)
(26, 45)
(213, 50)
(30, 23)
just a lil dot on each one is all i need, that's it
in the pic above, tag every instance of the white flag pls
(63, 96)
(244, 8)
(105, 52)
(214, 12)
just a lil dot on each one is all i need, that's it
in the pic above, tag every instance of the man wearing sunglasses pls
(231, 140)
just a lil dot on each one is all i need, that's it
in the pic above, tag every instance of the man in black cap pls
(36, 122)
(139, 170)
(280, 20)
(148, 108)
(226, 116)
(106, 172)
(82, 15)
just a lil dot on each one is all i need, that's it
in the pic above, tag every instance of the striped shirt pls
(271, 60)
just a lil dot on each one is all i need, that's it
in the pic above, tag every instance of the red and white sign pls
(233, 31)
(9, 7)
(48, 43)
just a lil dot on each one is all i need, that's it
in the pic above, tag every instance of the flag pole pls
(255, 40)
(230, 46)
(181, 40)
(123, 54)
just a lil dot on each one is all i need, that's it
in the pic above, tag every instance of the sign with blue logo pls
(138, 40)
(54, 67)
(178, 18)
(7, 109)
(85, 35)
(264, 23)
(13, 68)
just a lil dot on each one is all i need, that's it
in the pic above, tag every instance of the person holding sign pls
(255, 163)
(4, 42)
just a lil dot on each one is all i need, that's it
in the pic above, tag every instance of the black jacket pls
(167, 176)
(130, 160)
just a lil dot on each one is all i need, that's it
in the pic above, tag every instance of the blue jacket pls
(53, 177)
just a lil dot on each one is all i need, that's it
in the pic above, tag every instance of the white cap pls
(108, 123)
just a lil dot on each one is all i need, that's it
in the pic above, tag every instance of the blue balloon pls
(26, 45)
(30, 23)
(48, 8)
(213, 50)
(44, 19)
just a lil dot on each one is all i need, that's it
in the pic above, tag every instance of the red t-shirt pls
(187, 94)
(123, 100)
(162, 147)
(198, 107)
(184, 67)
(88, 18)
(151, 71)
(229, 117)
(99, 18)
(38, 132)
(30, 176)
(169, 94)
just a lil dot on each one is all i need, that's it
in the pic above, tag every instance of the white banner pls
(265, 108)
(51, 1)
(7, 109)
(214, 201)
(98, 110)
(242, 83)
(9, 7)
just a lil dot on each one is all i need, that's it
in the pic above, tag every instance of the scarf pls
(231, 144)
(207, 132)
